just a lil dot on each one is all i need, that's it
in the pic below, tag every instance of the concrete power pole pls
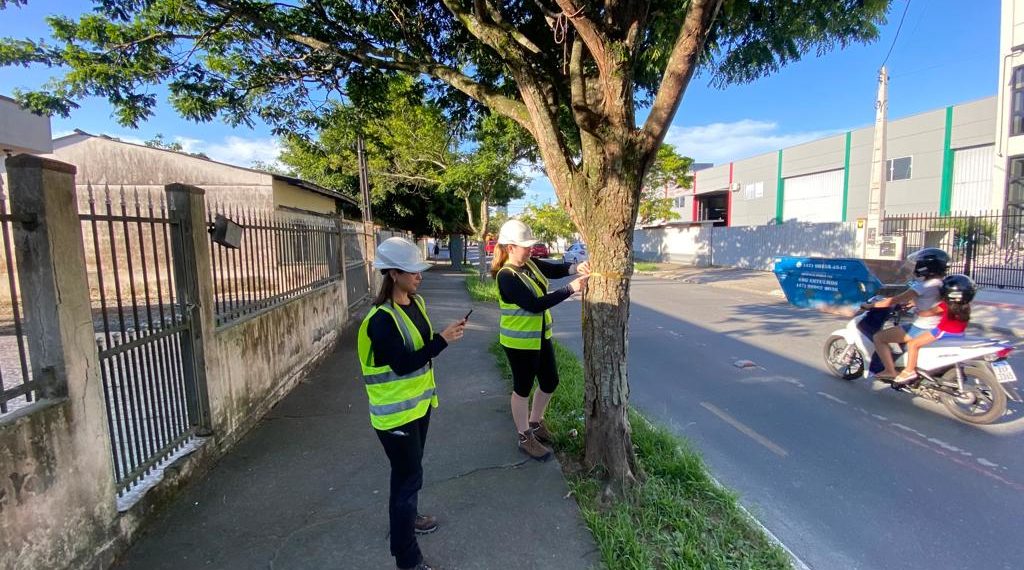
(369, 233)
(876, 192)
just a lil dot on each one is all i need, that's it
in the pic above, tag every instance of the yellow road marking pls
(745, 430)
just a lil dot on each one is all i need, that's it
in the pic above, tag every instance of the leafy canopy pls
(242, 59)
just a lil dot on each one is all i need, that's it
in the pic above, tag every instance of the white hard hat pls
(399, 253)
(514, 232)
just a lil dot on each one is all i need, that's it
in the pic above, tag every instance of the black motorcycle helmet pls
(930, 262)
(958, 289)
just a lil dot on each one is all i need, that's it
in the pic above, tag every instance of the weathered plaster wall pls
(252, 364)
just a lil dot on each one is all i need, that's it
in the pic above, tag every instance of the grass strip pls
(645, 266)
(481, 289)
(677, 517)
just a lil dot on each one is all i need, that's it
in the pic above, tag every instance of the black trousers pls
(404, 448)
(528, 365)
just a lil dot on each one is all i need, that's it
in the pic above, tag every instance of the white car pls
(575, 253)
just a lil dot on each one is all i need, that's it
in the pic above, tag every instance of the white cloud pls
(724, 142)
(234, 149)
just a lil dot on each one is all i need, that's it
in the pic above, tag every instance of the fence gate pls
(138, 266)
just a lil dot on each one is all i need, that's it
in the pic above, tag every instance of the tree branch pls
(680, 69)
(586, 118)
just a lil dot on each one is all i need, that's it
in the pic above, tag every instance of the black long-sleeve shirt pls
(513, 290)
(388, 347)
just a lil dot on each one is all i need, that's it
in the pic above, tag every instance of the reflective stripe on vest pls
(519, 328)
(396, 399)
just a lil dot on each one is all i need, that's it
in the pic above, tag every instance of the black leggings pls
(529, 364)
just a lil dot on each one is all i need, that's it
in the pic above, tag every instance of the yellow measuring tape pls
(607, 275)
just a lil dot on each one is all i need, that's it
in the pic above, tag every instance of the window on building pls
(1017, 102)
(898, 168)
(679, 202)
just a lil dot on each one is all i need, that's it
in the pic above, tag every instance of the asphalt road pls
(847, 474)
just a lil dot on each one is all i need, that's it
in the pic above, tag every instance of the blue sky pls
(944, 54)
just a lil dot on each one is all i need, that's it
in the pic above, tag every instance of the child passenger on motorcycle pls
(955, 312)
(929, 268)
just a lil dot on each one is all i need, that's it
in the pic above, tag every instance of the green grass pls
(677, 517)
(481, 289)
(645, 266)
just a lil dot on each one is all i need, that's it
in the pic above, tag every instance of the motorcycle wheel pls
(835, 346)
(982, 401)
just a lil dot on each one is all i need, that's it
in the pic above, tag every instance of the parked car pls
(575, 253)
(539, 250)
(489, 246)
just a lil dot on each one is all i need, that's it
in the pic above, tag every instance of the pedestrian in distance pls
(525, 329)
(396, 343)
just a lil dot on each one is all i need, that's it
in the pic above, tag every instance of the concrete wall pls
(1011, 34)
(755, 211)
(57, 506)
(252, 364)
(290, 196)
(754, 247)
(751, 247)
(22, 131)
(688, 245)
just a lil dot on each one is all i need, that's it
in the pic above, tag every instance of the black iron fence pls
(988, 246)
(281, 256)
(17, 388)
(140, 325)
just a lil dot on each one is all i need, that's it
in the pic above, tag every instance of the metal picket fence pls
(17, 388)
(988, 246)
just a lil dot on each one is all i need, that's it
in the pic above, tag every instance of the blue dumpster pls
(820, 281)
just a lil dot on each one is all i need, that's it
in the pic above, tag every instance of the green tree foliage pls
(425, 168)
(670, 169)
(570, 73)
(549, 222)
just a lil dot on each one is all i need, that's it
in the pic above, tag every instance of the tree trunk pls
(455, 251)
(485, 215)
(608, 231)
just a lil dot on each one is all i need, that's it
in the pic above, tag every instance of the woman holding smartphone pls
(525, 329)
(396, 344)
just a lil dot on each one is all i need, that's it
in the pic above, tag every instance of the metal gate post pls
(189, 242)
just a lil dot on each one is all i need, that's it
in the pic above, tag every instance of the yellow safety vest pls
(397, 400)
(519, 328)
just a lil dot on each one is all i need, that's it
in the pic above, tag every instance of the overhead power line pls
(898, 28)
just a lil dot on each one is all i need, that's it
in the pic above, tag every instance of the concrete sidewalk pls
(994, 311)
(308, 487)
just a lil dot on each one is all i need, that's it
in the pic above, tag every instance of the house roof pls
(304, 184)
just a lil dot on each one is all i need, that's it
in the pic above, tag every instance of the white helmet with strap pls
(399, 253)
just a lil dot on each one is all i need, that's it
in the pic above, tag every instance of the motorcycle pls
(970, 376)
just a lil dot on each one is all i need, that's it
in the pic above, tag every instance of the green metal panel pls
(846, 174)
(779, 192)
(946, 196)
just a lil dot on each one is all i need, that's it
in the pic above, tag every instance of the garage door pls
(814, 197)
(972, 180)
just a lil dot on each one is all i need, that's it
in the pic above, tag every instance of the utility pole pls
(876, 192)
(369, 233)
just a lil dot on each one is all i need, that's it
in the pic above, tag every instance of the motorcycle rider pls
(955, 312)
(930, 266)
